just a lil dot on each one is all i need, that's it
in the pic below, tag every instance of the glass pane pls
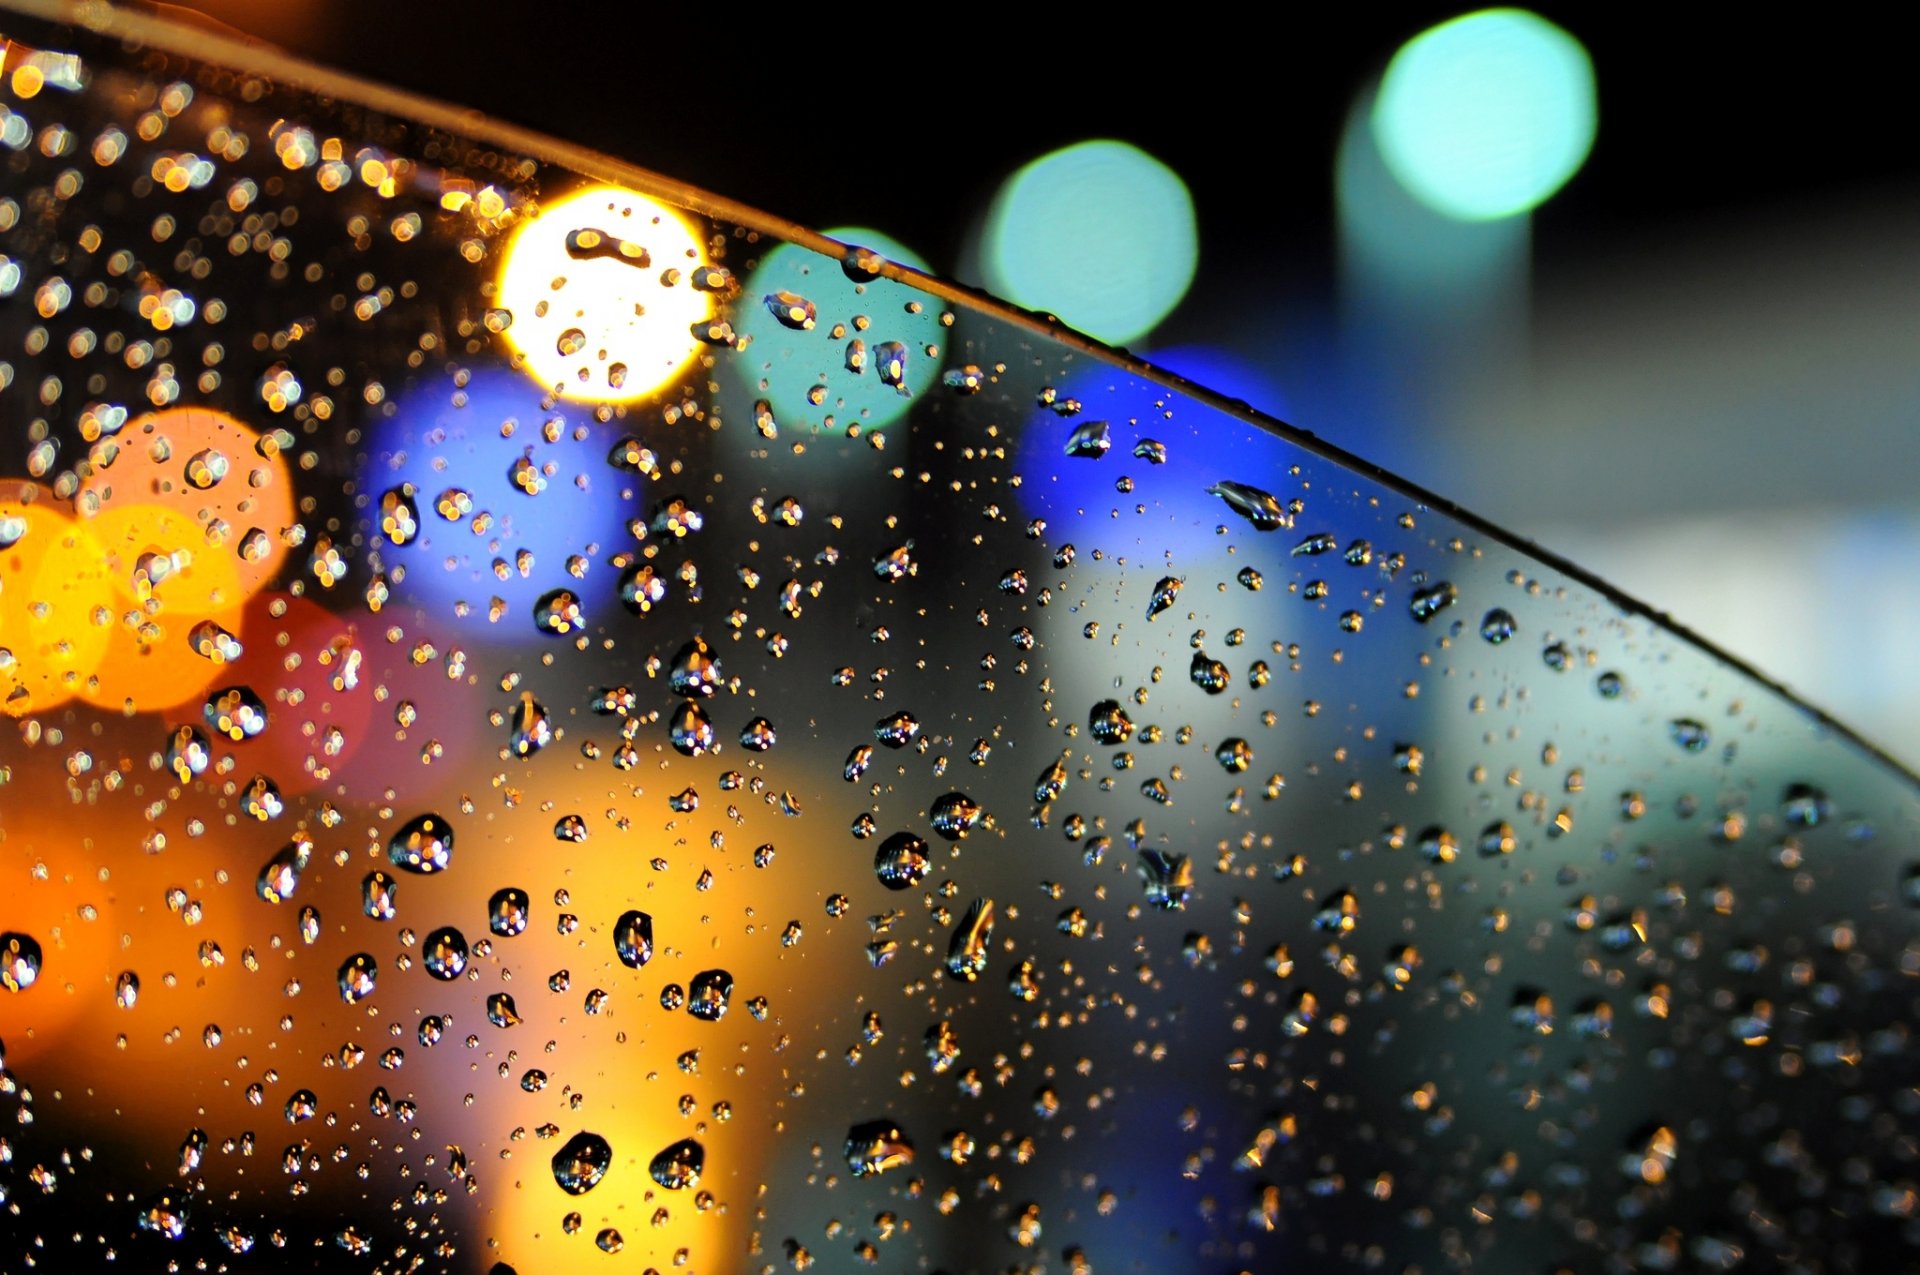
(551, 710)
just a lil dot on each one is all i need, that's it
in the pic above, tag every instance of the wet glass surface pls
(551, 725)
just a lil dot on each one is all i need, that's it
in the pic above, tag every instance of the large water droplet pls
(507, 911)
(968, 948)
(1109, 722)
(582, 1162)
(633, 939)
(532, 727)
(358, 974)
(20, 959)
(877, 1146)
(678, 1167)
(955, 815)
(901, 861)
(690, 731)
(1258, 507)
(708, 993)
(423, 844)
(444, 953)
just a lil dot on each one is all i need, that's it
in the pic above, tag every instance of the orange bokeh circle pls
(158, 459)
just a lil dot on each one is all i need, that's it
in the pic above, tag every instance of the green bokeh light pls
(1101, 234)
(785, 366)
(1487, 115)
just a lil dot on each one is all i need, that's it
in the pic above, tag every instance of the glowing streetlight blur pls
(599, 295)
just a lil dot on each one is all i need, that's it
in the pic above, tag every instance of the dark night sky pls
(908, 122)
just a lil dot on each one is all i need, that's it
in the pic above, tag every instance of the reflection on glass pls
(495, 783)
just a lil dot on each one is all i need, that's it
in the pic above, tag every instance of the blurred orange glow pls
(149, 658)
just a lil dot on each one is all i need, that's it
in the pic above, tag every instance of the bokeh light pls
(1487, 115)
(598, 295)
(808, 375)
(52, 585)
(507, 544)
(1101, 234)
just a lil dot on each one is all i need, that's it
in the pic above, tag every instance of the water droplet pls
(236, 712)
(1234, 755)
(694, 672)
(708, 993)
(968, 948)
(793, 311)
(890, 361)
(399, 515)
(633, 939)
(1258, 507)
(582, 1162)
(378, 894)
(678, 1167)
(358, 974)
(165, 1214)
(507, 911)
(876, 1146)
(757, 736)
(1090, 440)
(444, 953)
(423, 844)
(1805, 805)
(1167, 879)
(1109, 723)
(558, 613)
(1052, 781)
(691, 730)
(20, 959)
(641, 588)
(501, 1011)
(901, 862)
(126, 989)
(1164, 593)
(1497, 626)
(1151, 450)
(532, 728)
(280, 875)
(897, 730)
(955, 815)
(1432, 600)
(1209, 674)
(212, 641)
(1689, 734)
(1250, 580)
(1338, 912)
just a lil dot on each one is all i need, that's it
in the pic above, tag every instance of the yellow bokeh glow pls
(53, 587)
(597, 295)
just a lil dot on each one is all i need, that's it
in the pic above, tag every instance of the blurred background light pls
(1487, 115)
(1101, 234)
(508, 544)
(597, 294)
(791, 367)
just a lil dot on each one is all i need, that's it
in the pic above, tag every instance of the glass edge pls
(201, 44)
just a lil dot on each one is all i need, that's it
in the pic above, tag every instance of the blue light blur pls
(435, 445)
(1180, 514)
